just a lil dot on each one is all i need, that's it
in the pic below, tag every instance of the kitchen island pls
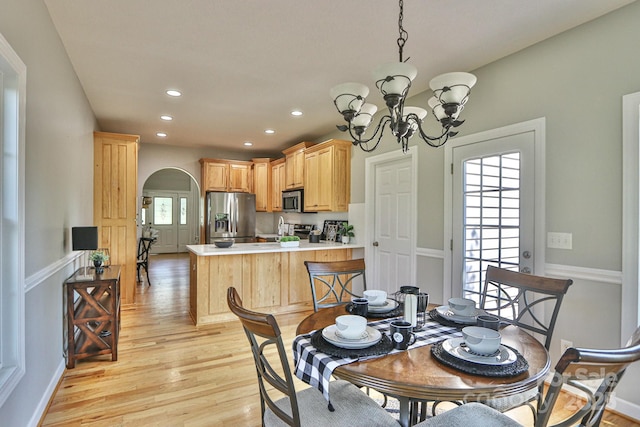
(269, 278)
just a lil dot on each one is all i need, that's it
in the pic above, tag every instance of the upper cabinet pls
(226, 175)
(278, 183)
(327, 177)
(262, 184)
(294, 165)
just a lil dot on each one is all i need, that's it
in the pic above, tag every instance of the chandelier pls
(451, 91)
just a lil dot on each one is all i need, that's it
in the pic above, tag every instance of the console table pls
(92, 314)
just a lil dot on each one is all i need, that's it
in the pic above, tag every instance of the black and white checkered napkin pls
(315, 368)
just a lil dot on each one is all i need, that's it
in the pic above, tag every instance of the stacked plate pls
(445, 312)
(457, 348)
(370, 337)
(385, 307)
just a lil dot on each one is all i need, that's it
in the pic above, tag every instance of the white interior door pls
(497, 206)
(392, 201)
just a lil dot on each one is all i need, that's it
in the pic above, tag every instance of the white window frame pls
(629, 315)
(13, 86)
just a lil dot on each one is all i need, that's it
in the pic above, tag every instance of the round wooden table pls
(415, 375)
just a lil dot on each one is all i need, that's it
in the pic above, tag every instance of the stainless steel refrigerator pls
(230, 215)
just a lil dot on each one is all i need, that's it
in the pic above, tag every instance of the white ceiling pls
(243, 65)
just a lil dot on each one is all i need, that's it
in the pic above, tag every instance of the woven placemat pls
(444, 321)
(382, 347)
(371, 315)
(519, 366)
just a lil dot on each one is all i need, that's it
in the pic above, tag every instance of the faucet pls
(280, 226)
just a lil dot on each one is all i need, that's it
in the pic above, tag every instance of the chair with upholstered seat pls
(144, 246)
(332, 281)
(577, 368)
(308, 407)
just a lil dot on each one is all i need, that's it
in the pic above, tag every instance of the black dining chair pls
(332, 281)
(144, 246)
(281, 405)
(577, 368)
(530, 302)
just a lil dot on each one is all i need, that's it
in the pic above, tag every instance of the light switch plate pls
(559, 240)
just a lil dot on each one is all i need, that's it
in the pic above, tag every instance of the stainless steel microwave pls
(292, 201)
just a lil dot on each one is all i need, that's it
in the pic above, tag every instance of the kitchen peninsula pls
(268, 277)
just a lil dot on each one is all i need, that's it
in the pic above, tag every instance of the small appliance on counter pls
(302, 230)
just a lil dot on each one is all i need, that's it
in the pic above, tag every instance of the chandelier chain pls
(402, 38)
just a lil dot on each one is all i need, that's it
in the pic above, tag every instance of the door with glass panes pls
(493, 209)
(169, 214)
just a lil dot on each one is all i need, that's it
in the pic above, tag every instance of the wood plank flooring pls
(170, 373)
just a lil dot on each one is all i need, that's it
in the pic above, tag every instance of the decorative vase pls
(98, 267)
(345, 239)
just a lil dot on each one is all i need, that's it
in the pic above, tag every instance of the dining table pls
(415, 374)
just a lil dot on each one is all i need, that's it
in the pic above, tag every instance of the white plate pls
(446, 313)
(384, 308)
(455, 347)
(372, 337)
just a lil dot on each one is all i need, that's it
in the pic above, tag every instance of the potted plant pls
(346, 232)
(289, 241)
(98, 258)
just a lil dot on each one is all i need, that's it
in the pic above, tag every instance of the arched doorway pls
(171, 205)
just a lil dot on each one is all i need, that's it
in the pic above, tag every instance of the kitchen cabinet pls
(268, 280)
(92, 314)
(327, 177)
(278, 183)
(262, 185)
(294, 165)
(226, 175)
(115, 189)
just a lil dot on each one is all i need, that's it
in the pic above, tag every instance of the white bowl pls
(350, 326)
(483, 341)
(462, 306)
(375, 297)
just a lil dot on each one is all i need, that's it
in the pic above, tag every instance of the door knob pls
(526, 254)
(525, 270)
(375, 243)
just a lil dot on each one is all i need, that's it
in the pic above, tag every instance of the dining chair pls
(529, 302)
(594, 372)
(144, 246)
(308, 407)
(332, 281)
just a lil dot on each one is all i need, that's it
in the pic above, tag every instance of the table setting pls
(461, 336)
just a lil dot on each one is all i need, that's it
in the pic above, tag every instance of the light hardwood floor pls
(170, 373)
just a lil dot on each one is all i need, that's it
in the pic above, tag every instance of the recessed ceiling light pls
(167, 118)
(296, 113)
(269, 131)
(161, 134)
(248, 143)
(172, 92)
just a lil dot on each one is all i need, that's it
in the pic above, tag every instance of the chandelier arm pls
(379, 128)
(428, 139)
(357, 139)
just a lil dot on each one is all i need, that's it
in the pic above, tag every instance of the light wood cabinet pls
(226, 175)
(327, 177)
(274, 282)
(294, 165)
(278, 184)
(115, 187)
(262, 184)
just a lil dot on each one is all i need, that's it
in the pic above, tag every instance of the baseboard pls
(624, 408)
(47, 396)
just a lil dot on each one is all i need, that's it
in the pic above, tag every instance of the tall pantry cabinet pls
(115, 186)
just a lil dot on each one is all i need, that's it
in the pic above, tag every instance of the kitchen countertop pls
(257, 248)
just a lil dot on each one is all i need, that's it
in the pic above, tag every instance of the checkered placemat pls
(315, 368)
